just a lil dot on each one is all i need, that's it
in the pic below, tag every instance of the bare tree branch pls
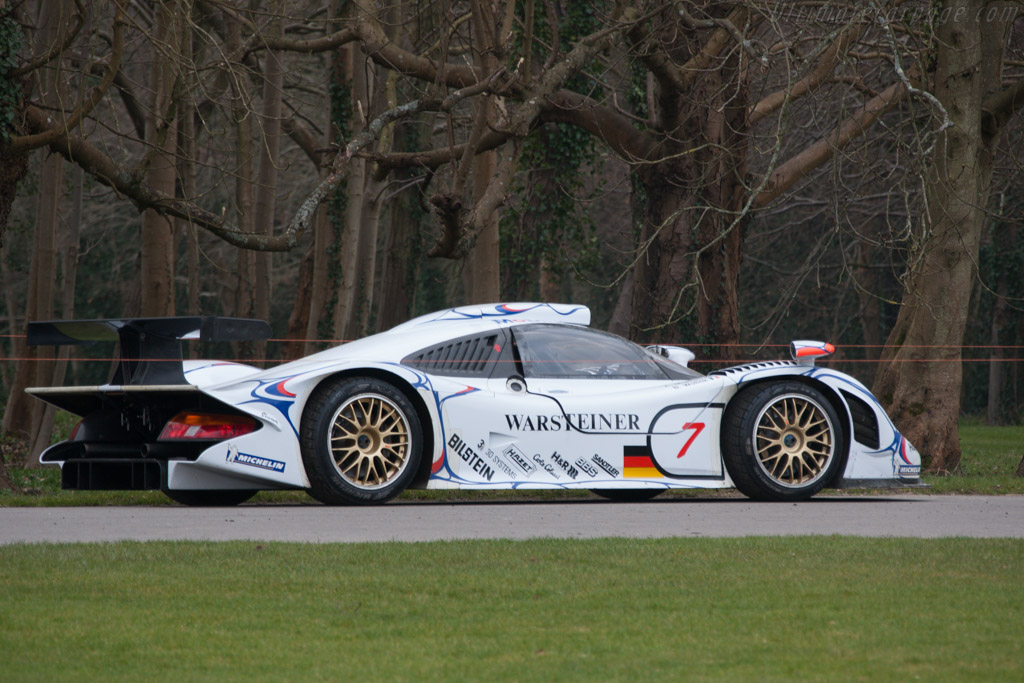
(817, 75)
(792, 170)
(758, 55)
(24, 143)
(58, 47)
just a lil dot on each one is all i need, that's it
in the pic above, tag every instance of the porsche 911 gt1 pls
(497, 396)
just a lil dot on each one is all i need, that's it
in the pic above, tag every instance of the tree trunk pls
(266, 178)
(482, 274)
(399, 267)
(14, 165)
(156, 263)
(686, 281)
(186, 172)
(244, 212)
(321, 284)
(376, 186)
(345, 317)
(187, 148)
(366, 258)
(187, 144)
(299, 317)
(43, 414)
(920, 377)
(1004, 239)
(870, 306)
(21, 415)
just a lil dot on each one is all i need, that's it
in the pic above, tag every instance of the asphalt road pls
(884, 516)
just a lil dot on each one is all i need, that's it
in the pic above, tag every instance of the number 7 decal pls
(697, 428)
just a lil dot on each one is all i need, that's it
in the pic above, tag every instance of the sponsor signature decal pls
(520, 460)
(560, 460)
(586, 466)
(605, 465)
(470, 457)
(234, 456)
(546, 466)
(502, 466)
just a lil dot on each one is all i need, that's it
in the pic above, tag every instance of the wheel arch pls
(834, 399)
(403, 385)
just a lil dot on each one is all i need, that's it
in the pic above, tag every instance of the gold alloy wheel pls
(794, 440)
(369, 441)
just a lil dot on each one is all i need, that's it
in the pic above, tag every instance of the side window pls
(565, 351)
(473, 356)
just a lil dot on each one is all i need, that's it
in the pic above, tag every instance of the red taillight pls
(189, 425)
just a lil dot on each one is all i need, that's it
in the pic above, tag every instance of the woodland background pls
(726, 175)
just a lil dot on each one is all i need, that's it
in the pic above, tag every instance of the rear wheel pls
(361, 442)
(781, 441)
(217, 498)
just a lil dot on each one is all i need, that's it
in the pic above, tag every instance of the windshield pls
(566, 351)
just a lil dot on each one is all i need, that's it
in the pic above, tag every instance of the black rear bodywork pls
(117, 446)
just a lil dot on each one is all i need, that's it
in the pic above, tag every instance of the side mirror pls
(805, 352)
(676, 354)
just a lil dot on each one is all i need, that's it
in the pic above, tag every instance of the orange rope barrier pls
(842, 347)
(592, 360)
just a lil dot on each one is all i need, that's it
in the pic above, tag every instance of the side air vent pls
(740, 369)
(865, 424)
(466, 357)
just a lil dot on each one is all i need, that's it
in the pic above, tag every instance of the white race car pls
(513, 396)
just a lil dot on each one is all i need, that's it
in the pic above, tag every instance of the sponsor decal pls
(905, 470)
(638, 464)
(502, 466)
(581, 422)
(586, 466)
(254, 461)
(520, 460)
(470, 457)
(605, 465)
(564, 464)
(546, 466)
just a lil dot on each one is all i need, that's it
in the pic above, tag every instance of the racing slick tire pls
(781, 441)
(361, 441)
(211, 498)
(627, 495)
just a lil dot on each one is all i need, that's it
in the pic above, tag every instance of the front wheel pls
(361, 441)
(781, 441)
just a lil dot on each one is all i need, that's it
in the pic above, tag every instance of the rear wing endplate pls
(150, 348)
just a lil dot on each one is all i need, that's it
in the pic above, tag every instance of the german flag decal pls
(637, 464)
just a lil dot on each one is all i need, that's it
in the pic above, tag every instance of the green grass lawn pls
(821, 608)
(991, 456)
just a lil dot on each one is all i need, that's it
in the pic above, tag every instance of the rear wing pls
(150, 348)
